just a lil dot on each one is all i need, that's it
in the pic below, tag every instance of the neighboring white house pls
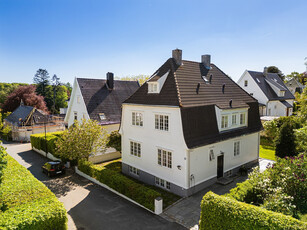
(100, 100)
(294, 86)
(188, 125)
(273, 96)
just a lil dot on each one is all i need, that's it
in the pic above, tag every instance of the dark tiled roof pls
(180, 88)
(261, 80)
(200, 125)
(22, 112)
(99, 99)
(197, 106)
(286, 104)
(294, 83)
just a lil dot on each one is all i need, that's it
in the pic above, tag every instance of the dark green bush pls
(220, 212)
(39, 142)
(285, 142)
(122, 184)
(115, 141)
(28, 203)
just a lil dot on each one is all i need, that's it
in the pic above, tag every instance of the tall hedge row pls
(27, 203)
(220, 212)
(39, 142)
(122, 184)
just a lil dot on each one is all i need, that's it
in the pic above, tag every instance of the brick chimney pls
(177, 55)
(110, 80)
(206, 60)
(265, 71)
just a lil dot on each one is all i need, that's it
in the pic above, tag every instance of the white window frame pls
(224, 122)
(133, 170)
(236, 148)
(135, 149)
(165, 158)
(102, 116)
(282, 93)
(162, 122)
(242, 118)
(137, 119)
(153, 87)
(211, 155)
(234, 119)
(162, 183)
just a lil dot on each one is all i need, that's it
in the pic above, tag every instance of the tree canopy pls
(6, 89)
(81, 140)
(41, 78)
(274, 69)
(140, 78)
(27, 95)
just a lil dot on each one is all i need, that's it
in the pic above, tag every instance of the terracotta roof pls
(180, 88)
(273, 78)
(99, 99)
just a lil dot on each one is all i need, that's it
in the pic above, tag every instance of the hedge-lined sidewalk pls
(27, 203)
(110, 175)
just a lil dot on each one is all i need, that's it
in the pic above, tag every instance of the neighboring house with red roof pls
(274, 98)
(100, 100)
(187, 126)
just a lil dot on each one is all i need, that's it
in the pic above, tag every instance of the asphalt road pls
(88, 205)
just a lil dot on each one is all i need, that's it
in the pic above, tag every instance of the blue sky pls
(74, 38)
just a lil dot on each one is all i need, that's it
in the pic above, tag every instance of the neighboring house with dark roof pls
(27, 120)
(294, 86)
(187, 126)
(100, 100)
(274, 98)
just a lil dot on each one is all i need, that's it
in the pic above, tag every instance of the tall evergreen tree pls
(285, 143)
(41, 78)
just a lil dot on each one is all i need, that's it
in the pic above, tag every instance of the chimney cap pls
(206, 60)
(177, 55)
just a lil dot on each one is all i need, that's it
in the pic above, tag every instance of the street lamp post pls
(45, 124)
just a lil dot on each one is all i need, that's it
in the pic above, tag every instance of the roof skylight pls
(258, 80)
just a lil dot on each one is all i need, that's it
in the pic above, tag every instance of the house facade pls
(100, 100)
(187, 126)
(274, 98)
(294, 86)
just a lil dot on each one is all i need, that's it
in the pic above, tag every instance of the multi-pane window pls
(161, 122)
(224, 121)
(242, 118)
(165, 158)
(152, 87)
(135, 148)
(211, 155)
(137, 119)
(162, 183)
(236, 148)
(234, 119)
(134, 170)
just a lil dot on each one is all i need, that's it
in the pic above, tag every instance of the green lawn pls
(267, 152)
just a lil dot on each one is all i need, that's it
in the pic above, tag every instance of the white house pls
(295, 86)
(100, 100)
(188, 125)
(273, 96)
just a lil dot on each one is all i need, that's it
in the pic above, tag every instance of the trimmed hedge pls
(220, 212)
(122, 184)
(28, 203)
(39, 142)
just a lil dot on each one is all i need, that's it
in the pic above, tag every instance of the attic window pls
(258, 80)
(102, 116)
(153, 87)
(282, 93)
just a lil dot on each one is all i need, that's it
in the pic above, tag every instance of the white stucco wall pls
(75, 106)
(152, 139)
(276, 108)
(252, 87)
(203, 169)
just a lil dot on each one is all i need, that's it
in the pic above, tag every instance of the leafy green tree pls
(6, 89)
(60, 99)
(41, 78)
(115, 141)
(82, 140)
(301, 139)
(297, 76)
(285, 143)
(302, 111)
(3, 161)
(274, 69)
(140, 78)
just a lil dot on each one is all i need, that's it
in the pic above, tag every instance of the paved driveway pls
(89, 206)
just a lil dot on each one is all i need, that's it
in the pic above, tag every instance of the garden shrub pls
(220, 212)
(122, 184)
(28, 203)
(39, 142)
(115, 141)
(285, 142)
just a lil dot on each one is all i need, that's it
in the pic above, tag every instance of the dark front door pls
(220, 166)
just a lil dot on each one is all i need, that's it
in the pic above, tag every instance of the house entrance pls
(220, 166)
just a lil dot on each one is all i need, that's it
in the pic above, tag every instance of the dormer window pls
(282, 93)
(153, 87)
(102, 116)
